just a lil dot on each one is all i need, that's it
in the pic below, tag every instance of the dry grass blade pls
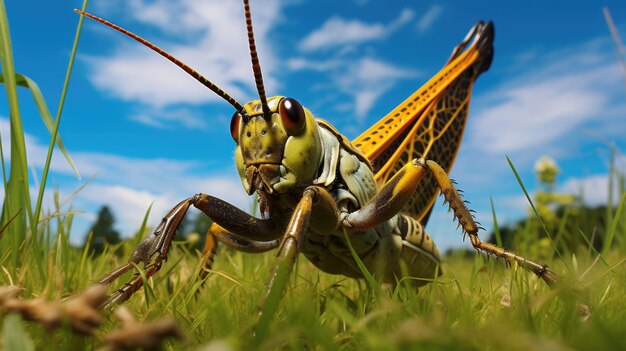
(8, 222)
(9, 293)
(619, 45)
(82, 309)
(80, 312)
(135, 335)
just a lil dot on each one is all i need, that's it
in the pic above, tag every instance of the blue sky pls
(147, 133)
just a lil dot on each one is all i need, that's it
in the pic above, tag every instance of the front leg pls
(316, 209)
(153, 250)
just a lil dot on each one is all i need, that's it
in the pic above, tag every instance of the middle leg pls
(217, 233)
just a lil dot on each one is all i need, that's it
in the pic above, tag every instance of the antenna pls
(199, 77)
(256, 67)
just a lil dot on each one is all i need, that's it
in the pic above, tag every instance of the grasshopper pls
(329, 198)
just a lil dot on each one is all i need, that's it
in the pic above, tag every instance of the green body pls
(278, 167)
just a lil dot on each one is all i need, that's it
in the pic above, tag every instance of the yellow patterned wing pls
(430, 123)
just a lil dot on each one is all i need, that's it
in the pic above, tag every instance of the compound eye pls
(235, 125)
(292, 115)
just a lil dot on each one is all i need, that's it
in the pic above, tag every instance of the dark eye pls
(234, 126)
(292, 115)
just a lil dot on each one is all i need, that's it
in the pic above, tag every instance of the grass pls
(475, 304)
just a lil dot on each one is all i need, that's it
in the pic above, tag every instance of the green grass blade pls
(17, 196)
(559, 237)
(149, 292)
(532, 205)
(144, 223)
(496, 229)
(275, 291)
(613, 227)
(4, 171)
(8, 222)
(15, 337)
(609, 205)
(44, 112)
(374, 286)
(591, 248)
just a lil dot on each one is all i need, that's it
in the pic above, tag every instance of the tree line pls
(102, 232)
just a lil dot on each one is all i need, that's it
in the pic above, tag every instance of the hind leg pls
(393, 196)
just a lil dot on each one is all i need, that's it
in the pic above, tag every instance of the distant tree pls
(183, 229)
(102, 231)
(193, 229)
(201, 224)
(197, 229)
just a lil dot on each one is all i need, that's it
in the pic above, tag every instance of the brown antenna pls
(256, 67)
(199, 77)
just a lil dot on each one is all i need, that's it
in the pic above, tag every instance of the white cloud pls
(214, 40)
(36, 151)
(537, 113)
(367, 79)
(593, 189)
(211, 38)
(551, 100)
(129, 185)
(549, 107)
(561, 102)
(161, 178)
(516, 203)
(338, 31)
(364, 79)
(300, 63)
(163, 14)
(428, 18)
(350, 68)
(129, 204)
(166, 118)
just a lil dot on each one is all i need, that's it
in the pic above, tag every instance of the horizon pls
(148, 134)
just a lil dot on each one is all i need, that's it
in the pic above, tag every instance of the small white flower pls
(546, 163)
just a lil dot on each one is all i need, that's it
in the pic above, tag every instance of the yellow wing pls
(431, 121)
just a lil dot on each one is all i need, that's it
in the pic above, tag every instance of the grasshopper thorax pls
(279, 151)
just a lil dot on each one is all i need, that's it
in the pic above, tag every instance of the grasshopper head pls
(276, 151)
